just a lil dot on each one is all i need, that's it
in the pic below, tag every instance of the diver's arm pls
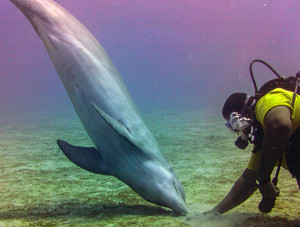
(243, 188)
(278, 127)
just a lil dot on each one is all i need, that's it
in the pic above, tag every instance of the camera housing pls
(241, 143)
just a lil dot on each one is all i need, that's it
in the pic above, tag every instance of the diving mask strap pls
(245, 103)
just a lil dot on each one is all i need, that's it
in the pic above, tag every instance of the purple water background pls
(170, 53)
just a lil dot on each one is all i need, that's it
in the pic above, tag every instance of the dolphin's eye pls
(171, 169)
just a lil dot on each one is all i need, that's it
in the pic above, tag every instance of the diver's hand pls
(211, 213)
(269, 193)
(208, 212)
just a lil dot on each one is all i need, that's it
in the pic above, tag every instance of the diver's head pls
(238, 113)
(238, 102)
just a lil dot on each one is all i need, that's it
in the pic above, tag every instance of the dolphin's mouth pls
(177, 187)
(181, 209)
(179, 192)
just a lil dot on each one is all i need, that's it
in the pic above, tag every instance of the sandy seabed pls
(39, 186)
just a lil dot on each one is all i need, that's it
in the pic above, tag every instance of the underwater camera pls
(241, 143)
(242, 127)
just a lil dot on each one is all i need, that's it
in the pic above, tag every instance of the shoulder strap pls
(287, 83)
(295, 91)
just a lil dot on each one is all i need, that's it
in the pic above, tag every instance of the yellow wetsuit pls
(276, 97)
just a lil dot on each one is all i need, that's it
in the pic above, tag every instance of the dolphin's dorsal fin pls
(117, 126)
(88, 158)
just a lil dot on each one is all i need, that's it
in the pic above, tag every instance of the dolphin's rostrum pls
(124, 147)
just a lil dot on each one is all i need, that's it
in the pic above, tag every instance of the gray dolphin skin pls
(124, 146)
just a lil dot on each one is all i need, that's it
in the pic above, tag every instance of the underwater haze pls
(171, 54)
(180, 61)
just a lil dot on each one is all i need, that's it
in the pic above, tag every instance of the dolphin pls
(124, 146)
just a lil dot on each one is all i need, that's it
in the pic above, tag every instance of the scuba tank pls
(255, 132)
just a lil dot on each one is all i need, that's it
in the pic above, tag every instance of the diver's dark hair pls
(235, 103)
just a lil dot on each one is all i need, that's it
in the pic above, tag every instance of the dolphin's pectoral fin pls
(117, 125)
(87, 158)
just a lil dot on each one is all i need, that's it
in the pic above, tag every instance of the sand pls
(39, 186)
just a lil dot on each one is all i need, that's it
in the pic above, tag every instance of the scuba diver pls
(270, 120)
